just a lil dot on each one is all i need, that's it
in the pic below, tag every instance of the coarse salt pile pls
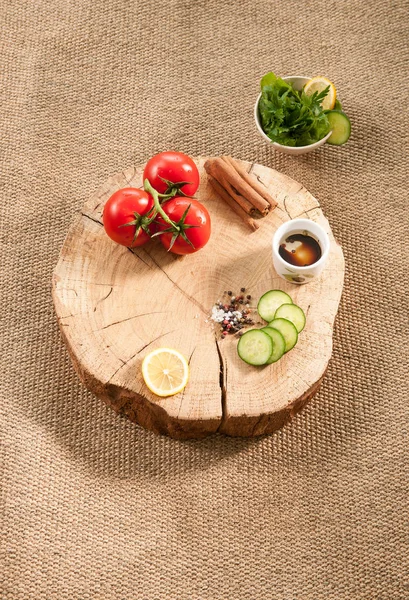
(218, 314)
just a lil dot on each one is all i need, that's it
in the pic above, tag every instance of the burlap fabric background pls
(93, 507)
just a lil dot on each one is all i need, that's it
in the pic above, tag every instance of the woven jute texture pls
(94, 507)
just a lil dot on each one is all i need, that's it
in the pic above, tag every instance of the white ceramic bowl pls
(298, 83)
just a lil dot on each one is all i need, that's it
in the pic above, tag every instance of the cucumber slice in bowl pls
(340, 126)
(278, 344)
(292, 313)
(270, 301)
(255, 347)
(287, 330)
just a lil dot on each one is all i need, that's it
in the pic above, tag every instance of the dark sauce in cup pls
(300, 250)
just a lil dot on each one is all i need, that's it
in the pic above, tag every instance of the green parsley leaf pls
(290, 117)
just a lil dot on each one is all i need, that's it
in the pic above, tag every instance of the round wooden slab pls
(115, 305)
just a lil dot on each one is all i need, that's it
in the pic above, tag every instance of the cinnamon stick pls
(215, 171)
(237, 187)
(233, 204)
(251, 180)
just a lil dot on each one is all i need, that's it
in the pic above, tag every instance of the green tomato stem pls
(155, 195)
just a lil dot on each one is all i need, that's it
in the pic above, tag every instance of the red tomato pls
(128, 205)
(175, 167)
(197, 215)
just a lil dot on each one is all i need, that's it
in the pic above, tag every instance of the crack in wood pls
(157, 338)
(129, 182)
(92, 219)
(259, 179)
(184, 389)
(124, 363)
(311, 209)
(285, 207)
(278, 208)
(258, 421)
(251, 172)
(306, 212)
(104, 298)
(156, 312)
(222, 378)
(91, 283)
(140, 257)
(190, 357)
(185, 294)
(121, 367)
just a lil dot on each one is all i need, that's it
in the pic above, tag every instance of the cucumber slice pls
(292, 313)
(287, 330)
(270, 301)
(278, 344)
(255, 347)
(337, 105)
(340, 126)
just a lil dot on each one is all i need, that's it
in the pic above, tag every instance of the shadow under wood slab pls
(115, 305)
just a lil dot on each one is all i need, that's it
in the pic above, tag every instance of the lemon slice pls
(165, 371)
(318, 84)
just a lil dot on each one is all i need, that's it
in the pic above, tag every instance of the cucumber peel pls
(292, 313)
(255, 347)
(287, 330)
(278, 344)
(340, 126)
(270, 301)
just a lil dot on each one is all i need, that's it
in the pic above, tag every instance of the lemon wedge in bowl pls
(318, 84)
(165, 371)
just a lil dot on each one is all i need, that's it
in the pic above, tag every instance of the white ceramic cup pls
(292, 273)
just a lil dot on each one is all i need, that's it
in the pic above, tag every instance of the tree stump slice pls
(114, 305)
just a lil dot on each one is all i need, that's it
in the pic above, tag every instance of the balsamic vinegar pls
(300, 250)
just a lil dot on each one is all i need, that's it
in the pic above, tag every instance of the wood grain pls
(115, 305)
